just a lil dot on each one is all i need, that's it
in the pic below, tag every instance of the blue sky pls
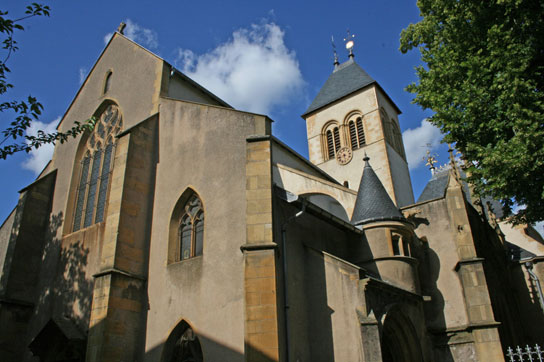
(208, 39)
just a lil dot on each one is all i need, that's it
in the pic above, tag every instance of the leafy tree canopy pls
(23, 112)
(484, 80)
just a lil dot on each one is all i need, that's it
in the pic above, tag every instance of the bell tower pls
(352, 115)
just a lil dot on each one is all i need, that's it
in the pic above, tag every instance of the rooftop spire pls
(373, 203)
(350, 44)
(336, 63)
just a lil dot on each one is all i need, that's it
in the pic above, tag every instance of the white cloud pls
(107, 38)
(82, 75)
(252, 71)
(139, 34)
(38, 158)
(418, 140)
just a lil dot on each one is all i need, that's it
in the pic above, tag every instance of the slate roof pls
(437, 185)
(347, 78)
(373, 203)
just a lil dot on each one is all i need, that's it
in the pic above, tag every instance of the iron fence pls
(527, 354)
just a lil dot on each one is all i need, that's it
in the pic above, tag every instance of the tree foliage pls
(484, 79)
(23, 112)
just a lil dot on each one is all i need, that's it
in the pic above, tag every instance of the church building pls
(181, 229)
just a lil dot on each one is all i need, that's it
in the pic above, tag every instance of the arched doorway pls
(182, 345)
(399, 340)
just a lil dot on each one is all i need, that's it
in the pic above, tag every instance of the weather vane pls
(350, 43)
(336, 63)
(431, 159)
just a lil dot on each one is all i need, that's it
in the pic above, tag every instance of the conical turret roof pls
(373, 203)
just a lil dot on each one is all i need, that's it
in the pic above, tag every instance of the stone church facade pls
(181, 229)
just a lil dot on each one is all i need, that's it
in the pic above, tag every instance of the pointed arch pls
(186, 235)
(93, 166)
(182, 345)
(399, 338)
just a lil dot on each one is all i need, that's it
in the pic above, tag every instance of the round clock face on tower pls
(344, 155)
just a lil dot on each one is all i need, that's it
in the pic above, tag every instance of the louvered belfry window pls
(96, 167)
(333, 143)
(330, 145)
(356, 132)
(191, 229)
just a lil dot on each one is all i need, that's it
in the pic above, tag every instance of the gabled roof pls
(373, 203)
(437, 185)
(347, 78)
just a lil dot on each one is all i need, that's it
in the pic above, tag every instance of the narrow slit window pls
(353, 135)
(360, 132)
(336, 139)
(107, 82)
(395, 240)
(330, 145)
(405, 247)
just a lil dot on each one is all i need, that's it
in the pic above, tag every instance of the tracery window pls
(356, 132)
(96, 167)
(333, 143)
(191, 229)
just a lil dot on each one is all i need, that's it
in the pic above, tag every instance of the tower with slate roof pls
(389, 235)
(351, 115)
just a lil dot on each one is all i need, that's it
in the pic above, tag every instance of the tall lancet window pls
(96, 167)
(356, 132)
(191, 229)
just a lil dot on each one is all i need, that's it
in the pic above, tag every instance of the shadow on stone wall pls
(63, 301)
(429, 273)
(531, 314)
(212, 350)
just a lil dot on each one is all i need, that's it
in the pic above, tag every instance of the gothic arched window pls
(191, 229)
(356, 132)
(96, 167)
